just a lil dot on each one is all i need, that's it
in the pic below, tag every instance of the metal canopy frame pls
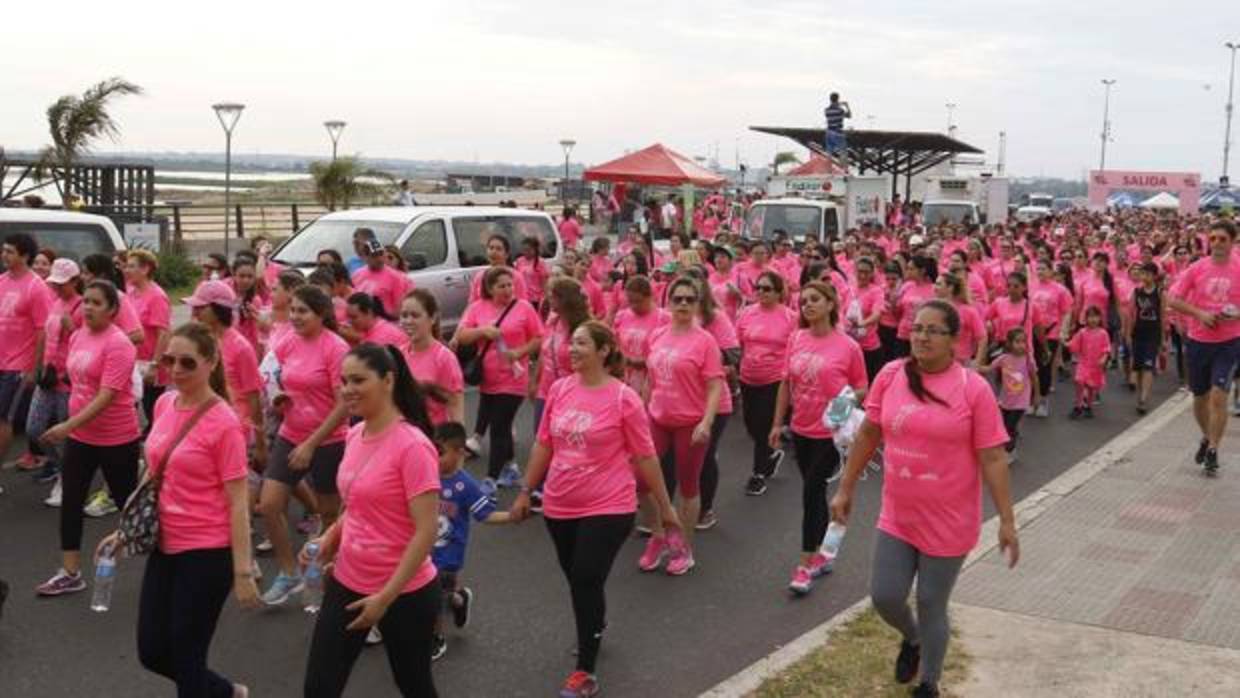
(895, 153)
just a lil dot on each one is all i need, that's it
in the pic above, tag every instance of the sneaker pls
(282, 588)
(756, 487)
(1210, 463)
(1012, 457)
(925, 690)
(25, 462)
(820, 563)
(579, 684)
(460, 614)
(681, 560)
(907, 663)
(777, 459)
(1201, 451)
(654, 554)
(707, 521)
(509, 477)
(1141, 410)
(802, 581)
(61, 583)
(264, 546)
(1089, 412)
(536, 503)
(439, 647)
(643, 531)
(50, 471)
(374, 637)
(1076, 413)
(240, 690)
(99, 505)
(309, 525)
(488, 487)
(53, 499)
(473, 446)
(1044, 409)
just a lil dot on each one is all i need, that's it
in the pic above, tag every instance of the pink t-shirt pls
(870, 299)
(194, 509)
(240, 374)
(680, 363)
(724, 332)
(972, 331)
(725, 288)
(389, 285)
(535, 275)
(1015, 381)
(570, 233)
(763, 333)
(932, 483)
(56, 349)
(1004, 316)
(1091, 345)
(438, 366)
(499, 375)
(1211, 287)
(632, 331)
(790, 269)
(1093, 293)
(154, 314)
(519, 289)
(554, 356)
(912, 295)
(1053, 302)
(378, 477)
(310, 370)
(99, 360)
(594, 434)
(817, 369)
(594, 294)
(126, 317)
(600, 268)
(385, 332)
(24, 306)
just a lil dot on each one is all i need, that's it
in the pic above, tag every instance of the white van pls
(68, 233)
(800, 219)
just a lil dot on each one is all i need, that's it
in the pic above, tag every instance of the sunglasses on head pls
(187, 363)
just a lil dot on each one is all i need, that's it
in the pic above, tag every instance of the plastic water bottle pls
(312, 576)
(105, 579)
(834, 538)
(839, 408)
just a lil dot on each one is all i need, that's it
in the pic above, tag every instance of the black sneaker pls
(1141, 410)
(1076, 413)
(1088, 413)
(908, 662)
(460, 614)
(48, 473)
(1210, 462)
(536, 503)
(925, 690)
(1201, 451)
(756, 486)
(439, 647)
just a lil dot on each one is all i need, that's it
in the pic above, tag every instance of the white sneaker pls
(374, 637)
(473, 446)
(99, 505)
(53, 499)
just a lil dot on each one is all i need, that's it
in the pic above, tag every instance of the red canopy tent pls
(818, 165)
(657, 164)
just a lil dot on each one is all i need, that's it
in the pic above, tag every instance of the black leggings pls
(818, 461)
(709, 482)
(1011, 422)
(758, 409)
(887, 342)
(407, 629)
(586, 548)
(150, 395)
(875, 359)
(120, 471)
(499, 411)
(1177, 343)
(182, 596)
(1045, 379)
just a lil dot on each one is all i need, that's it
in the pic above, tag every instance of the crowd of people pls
(338, 390)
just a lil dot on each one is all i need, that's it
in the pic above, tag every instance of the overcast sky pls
(505, 81)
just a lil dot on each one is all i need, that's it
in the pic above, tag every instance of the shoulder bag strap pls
(158, 477)
(498, 322)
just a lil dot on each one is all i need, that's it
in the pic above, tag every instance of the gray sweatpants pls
(896, 563)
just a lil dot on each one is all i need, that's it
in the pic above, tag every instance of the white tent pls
(1161, 200)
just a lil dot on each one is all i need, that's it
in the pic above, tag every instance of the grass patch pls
(179, 293)
(858, 660)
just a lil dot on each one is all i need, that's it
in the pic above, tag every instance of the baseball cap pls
(63, 270)
(372, 247)
(916, 240)
(212, 293)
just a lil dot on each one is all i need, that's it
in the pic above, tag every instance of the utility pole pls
(1231, 87)
(1106, 122)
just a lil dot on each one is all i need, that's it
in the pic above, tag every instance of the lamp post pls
(1231, 88)
(228, 113)
(567, 144)
(951, 110)
(1106, 122)
(334, 129)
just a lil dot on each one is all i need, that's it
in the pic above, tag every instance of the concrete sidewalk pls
(1129, 582)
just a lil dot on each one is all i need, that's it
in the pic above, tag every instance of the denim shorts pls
(10, 395)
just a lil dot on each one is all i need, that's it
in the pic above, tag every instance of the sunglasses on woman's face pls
(764, 288)
(684, 300)
(187, 363)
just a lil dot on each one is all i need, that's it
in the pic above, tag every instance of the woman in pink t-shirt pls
(725, 284)
(155, 314)
(971, 342)
(819, 363)
(870, 300)
(763, 330)
(918, 288)
(533, 270)
(632, 326)
(724, 332)
(102, 429)
(568, 309)
(311, 438)
(431, 362)
(367, 324)
(100, 267)
(50, 403)
(944, 437)
(1053, 302)
(197, 447)
(685, 389)
(593, 441)
(381, 574)
(1013, 310)
(252, 300)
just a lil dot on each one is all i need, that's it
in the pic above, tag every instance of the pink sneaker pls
(820, 564)
(681, 560)
(802, 580)
(652, 557)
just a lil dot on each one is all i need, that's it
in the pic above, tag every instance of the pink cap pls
(63, 269)
(212, 293)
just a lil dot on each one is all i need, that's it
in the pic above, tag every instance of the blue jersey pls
(460, 498)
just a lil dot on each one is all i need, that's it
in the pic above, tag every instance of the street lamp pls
(951, 109)
(1106, 122)
(567, 144)
(1231, 88)
(228, 113)
(334, 129)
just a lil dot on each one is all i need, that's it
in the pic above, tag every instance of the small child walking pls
(1018, 383)
(1092, 347)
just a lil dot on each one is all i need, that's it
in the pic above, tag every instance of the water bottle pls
(312, 576)
(833, 539)
(839, 408)
(105, 578)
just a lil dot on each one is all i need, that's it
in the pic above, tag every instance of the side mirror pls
(415, 261)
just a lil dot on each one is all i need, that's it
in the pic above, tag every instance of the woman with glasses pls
(763, 329)
(683, 396)
(944, 435)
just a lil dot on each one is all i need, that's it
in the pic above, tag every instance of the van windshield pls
(304, 247)
(797, 221)
(72, 240)
(937, 214)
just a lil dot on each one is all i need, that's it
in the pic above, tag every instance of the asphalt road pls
(667, 637)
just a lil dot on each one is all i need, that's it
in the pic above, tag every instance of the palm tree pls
(338, 182)
(74, 122)
(785, 157)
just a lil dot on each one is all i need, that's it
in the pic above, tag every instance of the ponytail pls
(912, 372)
(407, 393)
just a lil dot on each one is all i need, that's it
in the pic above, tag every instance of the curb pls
(749, 679)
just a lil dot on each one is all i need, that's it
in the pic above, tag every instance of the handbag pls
(471, 359)
(139, 523)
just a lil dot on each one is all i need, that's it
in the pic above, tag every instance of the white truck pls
(976, 200)
(854, 199)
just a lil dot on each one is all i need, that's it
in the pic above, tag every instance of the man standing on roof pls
(836, 112)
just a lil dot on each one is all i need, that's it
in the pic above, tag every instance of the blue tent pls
(1217, 199)
(1122, 199)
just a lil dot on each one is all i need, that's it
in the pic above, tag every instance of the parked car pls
(444, 246)
(68, 233)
